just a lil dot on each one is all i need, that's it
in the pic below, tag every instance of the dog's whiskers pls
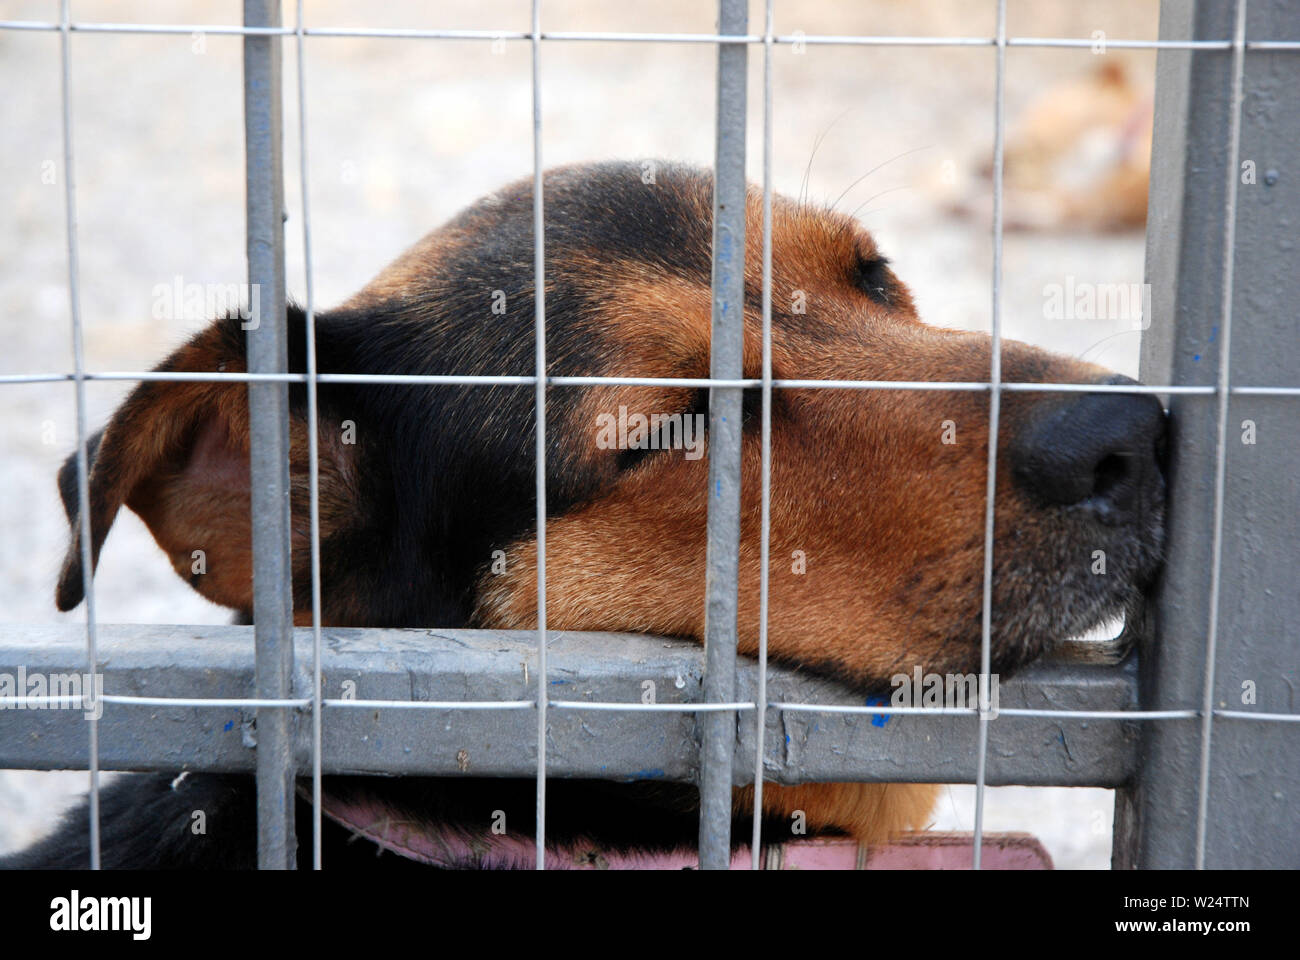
(817, 142)
(901, 186)
(878, 166)
(1110, 336)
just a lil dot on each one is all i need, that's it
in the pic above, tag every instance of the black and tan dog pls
(889, 516)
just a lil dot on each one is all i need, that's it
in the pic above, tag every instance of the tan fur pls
(1077, 157)
(177, 454)
(869, 812)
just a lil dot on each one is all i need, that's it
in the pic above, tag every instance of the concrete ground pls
(404, 133)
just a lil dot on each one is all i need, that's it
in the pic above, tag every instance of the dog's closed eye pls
(871, 275)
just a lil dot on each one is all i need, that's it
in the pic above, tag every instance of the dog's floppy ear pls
(177, 454)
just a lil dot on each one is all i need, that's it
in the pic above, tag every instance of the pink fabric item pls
(922, 851)
(953, 851)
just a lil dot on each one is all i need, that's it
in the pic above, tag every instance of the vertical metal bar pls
(1249, 782)
(995, 413)
(1221, 443)
(83, 458)
(268, 412)
(313, 457)
(539, 396)
(764, 546)
(725, 404)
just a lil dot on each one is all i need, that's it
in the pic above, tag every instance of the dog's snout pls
(1101, 450)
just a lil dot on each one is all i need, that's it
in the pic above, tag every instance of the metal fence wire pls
(1198, 782)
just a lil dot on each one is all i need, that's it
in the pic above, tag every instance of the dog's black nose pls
(1102, 450)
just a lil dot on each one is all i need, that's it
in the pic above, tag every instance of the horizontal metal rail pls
(466, 701)
(580, 36)
(526, 380)
(685, 383)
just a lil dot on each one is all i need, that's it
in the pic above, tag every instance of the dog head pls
(877, 495)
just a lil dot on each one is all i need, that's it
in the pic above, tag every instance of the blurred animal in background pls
(1078, 157)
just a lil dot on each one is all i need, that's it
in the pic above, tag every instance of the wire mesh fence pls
(1159, 773)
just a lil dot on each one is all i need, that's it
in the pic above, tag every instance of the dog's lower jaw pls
(870, 813)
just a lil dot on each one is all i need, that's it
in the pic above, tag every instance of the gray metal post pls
(1252, 778)
(725, 405)
(268, 405)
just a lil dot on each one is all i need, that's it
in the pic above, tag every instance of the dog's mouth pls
(1056, 581)
(1097, 611)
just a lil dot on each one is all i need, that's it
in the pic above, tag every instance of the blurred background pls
(403, 133)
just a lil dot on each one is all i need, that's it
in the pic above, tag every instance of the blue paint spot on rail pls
(877, 719)
(649, 773)
(230, 725)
